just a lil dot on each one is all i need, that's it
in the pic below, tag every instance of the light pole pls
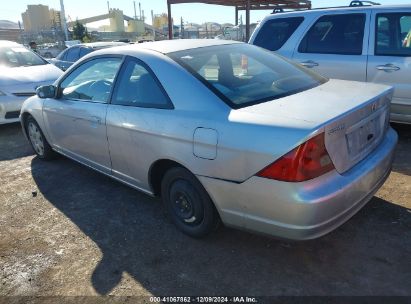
(63, 19)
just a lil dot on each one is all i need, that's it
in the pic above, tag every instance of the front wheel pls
(38, 141)
(188, 203)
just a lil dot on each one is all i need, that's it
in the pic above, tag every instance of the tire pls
(188, 203)
(37, 140)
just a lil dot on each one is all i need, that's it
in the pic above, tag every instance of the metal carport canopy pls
(246, 5)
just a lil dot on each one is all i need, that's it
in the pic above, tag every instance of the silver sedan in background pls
(222, 131)
(21, 72)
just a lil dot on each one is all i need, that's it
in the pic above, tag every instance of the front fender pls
(33, 106)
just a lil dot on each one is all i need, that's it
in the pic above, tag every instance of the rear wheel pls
(188, 203)
(38, 141)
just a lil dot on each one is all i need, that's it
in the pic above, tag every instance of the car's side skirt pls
(148, 192)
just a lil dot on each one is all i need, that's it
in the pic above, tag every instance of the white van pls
(361, 42)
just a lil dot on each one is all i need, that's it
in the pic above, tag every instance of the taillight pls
(307, 161)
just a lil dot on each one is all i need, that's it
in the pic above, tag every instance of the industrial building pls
(39, 18)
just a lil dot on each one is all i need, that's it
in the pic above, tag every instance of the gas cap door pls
(205, 143)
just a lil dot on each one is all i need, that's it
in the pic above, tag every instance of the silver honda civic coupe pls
(223, 132)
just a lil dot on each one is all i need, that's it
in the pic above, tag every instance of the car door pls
(390, 59)
(76, 119)
(138, 113)
(335, 46)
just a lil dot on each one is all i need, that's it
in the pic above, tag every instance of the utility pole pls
(247, 20)
(108, 7)
(241, 35)
(181, 28)
(139, 7)
(63, 19)
(152, 24)
(21, 33)
(170, 21)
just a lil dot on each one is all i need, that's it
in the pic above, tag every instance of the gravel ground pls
(67, 230)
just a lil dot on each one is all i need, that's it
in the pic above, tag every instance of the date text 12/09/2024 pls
(174, 299)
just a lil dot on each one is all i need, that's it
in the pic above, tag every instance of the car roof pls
(99, 45)
(170, 46)
(9, 43)
(339, 8)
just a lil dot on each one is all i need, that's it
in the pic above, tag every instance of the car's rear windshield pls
(244, 75)
(19, 56)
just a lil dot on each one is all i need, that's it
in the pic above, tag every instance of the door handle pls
(309, 64)
(388, 67)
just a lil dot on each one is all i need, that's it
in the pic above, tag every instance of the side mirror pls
(48, 91)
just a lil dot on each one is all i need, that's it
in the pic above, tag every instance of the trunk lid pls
(354, 117)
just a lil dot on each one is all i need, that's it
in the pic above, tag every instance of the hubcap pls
(36, 139)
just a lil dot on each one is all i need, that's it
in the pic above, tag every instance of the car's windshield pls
(243, 75)
(17, 56)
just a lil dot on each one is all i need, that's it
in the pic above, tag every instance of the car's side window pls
(91, 81)
(62, 56)
(393, 34)
(84, 51)
(275, 33)
(73, 54)
(335, 34)
(137, 86)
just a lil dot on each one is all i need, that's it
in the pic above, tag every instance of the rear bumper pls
(304, 210)
(10, 108)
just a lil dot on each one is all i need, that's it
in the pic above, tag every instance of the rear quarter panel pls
(245, 145)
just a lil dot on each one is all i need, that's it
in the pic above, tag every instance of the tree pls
(80, 32)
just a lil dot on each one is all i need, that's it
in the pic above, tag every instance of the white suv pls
(364, 43)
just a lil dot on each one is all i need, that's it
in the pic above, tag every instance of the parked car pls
(70, 55)
(365, 43)
(49, 50)
(21, 72)
(279, 150)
